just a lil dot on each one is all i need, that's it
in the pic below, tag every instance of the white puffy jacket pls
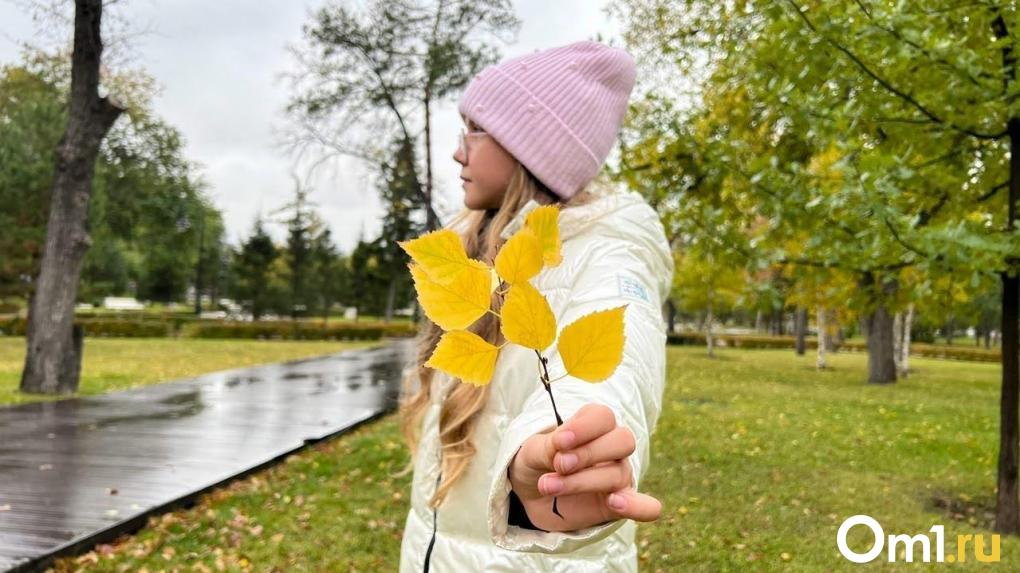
(614, 252)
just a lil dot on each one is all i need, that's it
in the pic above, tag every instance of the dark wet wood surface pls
(81, 471)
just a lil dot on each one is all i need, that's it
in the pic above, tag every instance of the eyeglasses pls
(463, 139)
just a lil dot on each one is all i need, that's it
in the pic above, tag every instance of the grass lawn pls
(757, 458)
(120, 363)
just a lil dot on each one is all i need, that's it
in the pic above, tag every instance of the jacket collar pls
(573, 220)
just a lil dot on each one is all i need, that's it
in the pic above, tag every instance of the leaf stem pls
(559, 421)
(547, 384)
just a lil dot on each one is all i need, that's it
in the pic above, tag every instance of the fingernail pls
(566, 439)
(552, 485)
(617, 502)
(568, 462)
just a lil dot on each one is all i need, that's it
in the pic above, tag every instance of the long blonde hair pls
(461, 408)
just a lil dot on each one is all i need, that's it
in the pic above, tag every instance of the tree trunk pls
(430, 215)
(881, 365)
(1007, 519)
(950, 327)
(908, 325)
(897, 332)
(708, 329)
(390, 295)
(52, 365)
(1007, 506)
(800, 327)
(198, 267)
(759, 322)
(820, 362)
(780, 322)
(670, 316)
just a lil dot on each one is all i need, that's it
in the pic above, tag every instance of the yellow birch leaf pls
(520, 258)
(465, 355)
(592, 346)
(456, 305)
(441, 254)
(544, 222)
(526, 318)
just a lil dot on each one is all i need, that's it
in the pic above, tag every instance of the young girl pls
(488, 461)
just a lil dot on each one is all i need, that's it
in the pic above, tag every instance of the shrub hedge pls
(101, 328)
(756, 341)
(188, 327)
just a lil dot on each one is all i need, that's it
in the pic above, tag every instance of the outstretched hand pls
(583, 463)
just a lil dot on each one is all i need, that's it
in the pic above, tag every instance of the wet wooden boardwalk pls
(81, 471)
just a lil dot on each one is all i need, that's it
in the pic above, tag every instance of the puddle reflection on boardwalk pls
(79, 471)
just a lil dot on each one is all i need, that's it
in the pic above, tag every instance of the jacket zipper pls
(432, 542)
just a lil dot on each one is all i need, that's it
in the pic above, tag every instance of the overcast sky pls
(218, 64)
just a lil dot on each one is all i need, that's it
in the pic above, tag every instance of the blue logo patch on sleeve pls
(632, 288)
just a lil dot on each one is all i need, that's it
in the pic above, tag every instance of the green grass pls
(758, 458)
(121, 363)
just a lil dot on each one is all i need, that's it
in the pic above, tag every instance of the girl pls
(488, 461)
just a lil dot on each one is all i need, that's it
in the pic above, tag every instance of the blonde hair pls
(461, 408)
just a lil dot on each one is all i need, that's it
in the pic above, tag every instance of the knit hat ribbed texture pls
(557, 111)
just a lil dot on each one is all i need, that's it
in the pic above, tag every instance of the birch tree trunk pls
(908, 324)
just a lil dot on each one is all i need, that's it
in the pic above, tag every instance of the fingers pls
(615, 445)
(605, 478)
(630, 504)
(588, 423)
(591, 421)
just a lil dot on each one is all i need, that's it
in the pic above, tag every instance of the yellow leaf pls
(441, 254)
(592, 346)
(464, 355)
(458, 304)
(526, 318)
(520, 258)
(544, 222)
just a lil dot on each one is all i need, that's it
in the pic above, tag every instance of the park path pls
(82, 471)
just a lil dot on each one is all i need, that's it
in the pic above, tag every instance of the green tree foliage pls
(253, 267)
(145, 199)
(875, 138)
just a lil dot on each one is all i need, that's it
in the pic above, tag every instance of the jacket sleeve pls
(616, 273)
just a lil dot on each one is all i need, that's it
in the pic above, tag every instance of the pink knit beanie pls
(557, 111)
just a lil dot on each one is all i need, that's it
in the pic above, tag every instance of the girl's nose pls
(458, 156)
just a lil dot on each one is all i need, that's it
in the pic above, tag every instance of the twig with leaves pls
(455, 291)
